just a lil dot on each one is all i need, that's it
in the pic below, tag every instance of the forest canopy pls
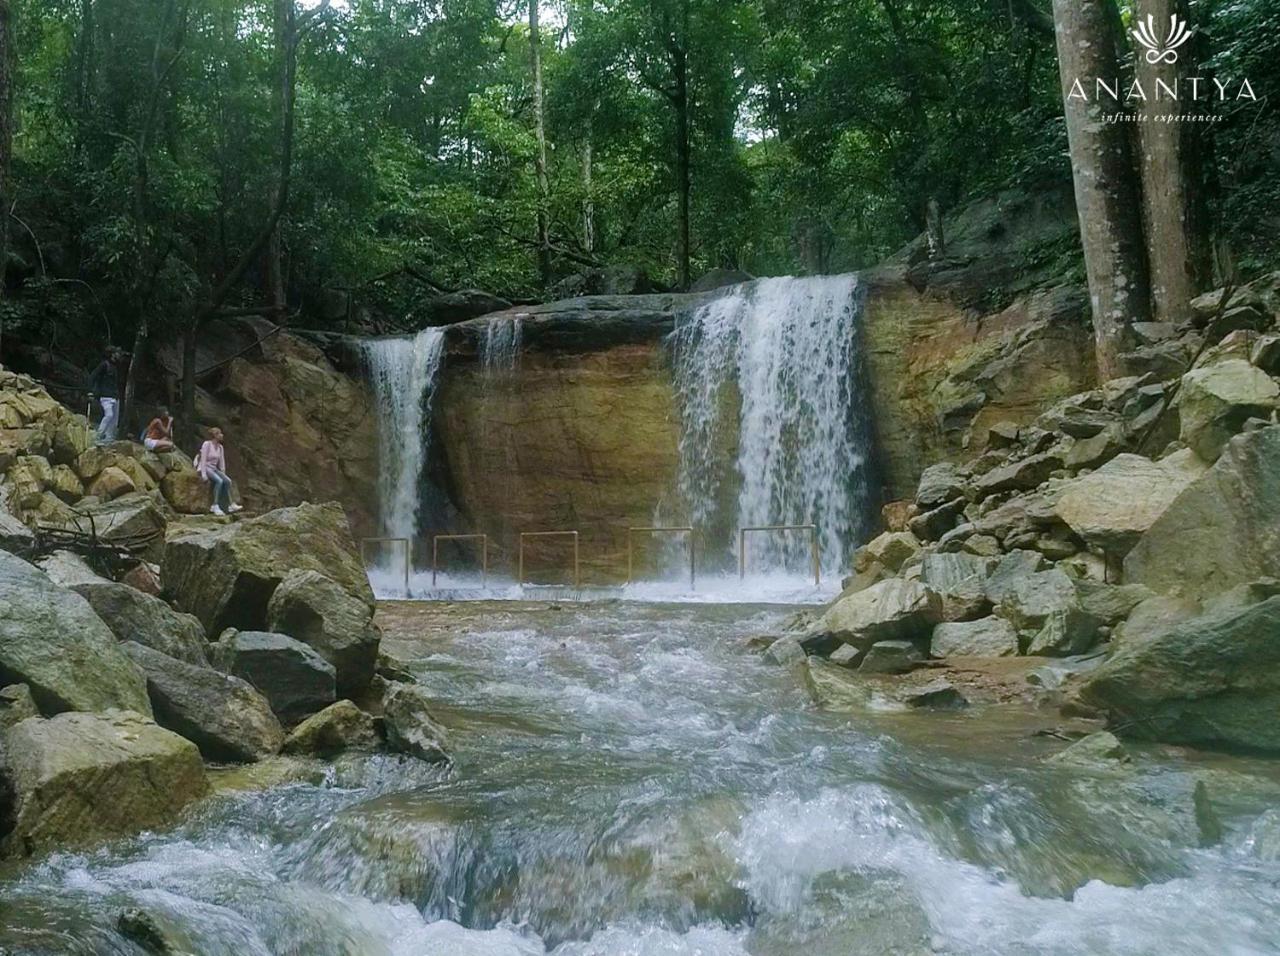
(468, 144)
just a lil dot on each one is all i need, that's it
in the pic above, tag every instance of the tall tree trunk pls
(540, 157)
(683, 179)
(588, 199)
(274, 271)
(1178, 248)
(1108, 200)
(6, 140)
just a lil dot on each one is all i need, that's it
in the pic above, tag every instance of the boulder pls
(890, 657)
(186, 492)
(1066, 632)
(1222, 529)
(134, 616)
(959, 580)
(226, 576)
(1101, 751)
(838, 689)
(132, 519)
(718, 278)
(66, 484)
(1266, 354)
(111, 483)
(222, 715)
(1110, 603)
(1097, 450)
(1032, 598)
(986, 637)
(932, 525)
(410, 727)
(295, 680)
(1153, 617)
(1021, 475)
(1210, 681)
(1012, 568)
(1214, 402)
(144, 577)
(785, 650)
(340, 727)
(894, 609)
(1114, 506)
(314, 609)
(939, 484)
(51, 640)
(67, 569)
(79, 778)
(16, 705)
(891, 550)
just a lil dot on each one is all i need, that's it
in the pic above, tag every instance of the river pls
(631, 779)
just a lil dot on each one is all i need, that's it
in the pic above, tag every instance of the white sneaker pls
(218, 511)
(234, 508)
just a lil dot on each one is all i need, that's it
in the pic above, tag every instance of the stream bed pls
(630, 779)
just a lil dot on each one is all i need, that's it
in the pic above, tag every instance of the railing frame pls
(404, 542)
(577, 573)
(813, 544)
(484, 553)
(660, 530)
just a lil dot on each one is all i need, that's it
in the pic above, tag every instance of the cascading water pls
(769, 381)
(403, 372)
(501, 346)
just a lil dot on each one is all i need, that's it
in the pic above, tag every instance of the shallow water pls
(629, 779)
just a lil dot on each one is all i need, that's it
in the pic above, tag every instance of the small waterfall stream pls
(403, 373)
(774, 431)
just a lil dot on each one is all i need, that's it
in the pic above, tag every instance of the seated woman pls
(159, 434)
(212, 465)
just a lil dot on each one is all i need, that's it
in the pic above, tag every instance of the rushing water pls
(630, 781)
(500, 349)
(403, 373)
(773, 369)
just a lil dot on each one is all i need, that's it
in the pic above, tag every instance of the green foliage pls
(819, 133)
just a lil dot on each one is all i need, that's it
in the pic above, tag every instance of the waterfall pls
(403, 372)
(501, 347)
(773, 426)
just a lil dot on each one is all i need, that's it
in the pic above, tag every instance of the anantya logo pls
(1166, 51)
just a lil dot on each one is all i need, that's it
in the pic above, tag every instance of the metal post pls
(484, 553)
(660, 530)
(364, 549)
(577, 572)
(813, 547)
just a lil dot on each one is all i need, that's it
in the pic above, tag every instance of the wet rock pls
(891, 610)
(1115, 505)
(16, 705)
(846, 655)
(221, 714)
(1222, 529)
(986, 637)
(460, 306)
(150, 933)
(1053, 674)
(1065, 632)
(411, 729)
(295, 680)
(1214, 402)
(785, 650)
(891, 657)
(718, 279)
(1211, 681)
(134, 616)
(225, 577)
(321, 613)
(838, 689)
(80, 778)
(939, 484)
(51, 640)
(937, 694)
(340, 727)
(1100, 751)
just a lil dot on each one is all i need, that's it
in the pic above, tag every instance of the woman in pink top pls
(212, 465)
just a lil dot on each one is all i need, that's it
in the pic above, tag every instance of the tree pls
(540, 155)
(1173, 190)
(6, 139)
(1108, 201)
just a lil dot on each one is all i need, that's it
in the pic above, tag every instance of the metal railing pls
(660, 530)
(484, 553)
(404, 542)
(813, 546)
(577, 576)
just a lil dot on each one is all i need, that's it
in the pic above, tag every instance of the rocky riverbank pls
(1127, 541)
(138, 644)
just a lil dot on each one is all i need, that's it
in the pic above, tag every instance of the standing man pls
(104, 384)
